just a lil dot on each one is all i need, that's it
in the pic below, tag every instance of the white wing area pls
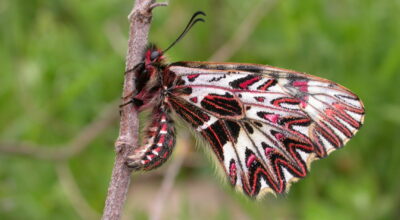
(265, 124)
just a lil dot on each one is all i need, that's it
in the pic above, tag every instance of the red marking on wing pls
(266, 85)
(260, 99)
(247, 83)
(268, 151)
(303, 104)
(303, 85)
(279, 136)
(250, 160)
(233, 173)
(194, 99)
(297, 121)
(193, 77)
(278, 102)
(271, 117)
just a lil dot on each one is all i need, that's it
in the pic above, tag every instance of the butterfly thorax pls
(149, 79)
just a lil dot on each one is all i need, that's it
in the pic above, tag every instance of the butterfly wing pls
(265, 124)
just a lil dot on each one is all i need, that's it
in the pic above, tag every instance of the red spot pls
(303, 104)
(260, 99)
(151, 156)
(232, 173)
(250, 160)
(303, 85)
(272, 117)
(233, 167)
(279, 136)
(194, 99)
(245, 84)
(165, 155)
(193, 77)
(164, 127)
(268, 151)
(158, 149)
(162, 138)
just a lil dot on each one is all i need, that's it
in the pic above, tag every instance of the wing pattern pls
(265, 124)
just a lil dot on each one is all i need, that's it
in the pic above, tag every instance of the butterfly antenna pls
(190, 24)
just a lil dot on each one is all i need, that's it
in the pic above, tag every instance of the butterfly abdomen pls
(159, 143)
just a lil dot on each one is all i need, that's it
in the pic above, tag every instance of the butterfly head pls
(149, 73)
(153, 55)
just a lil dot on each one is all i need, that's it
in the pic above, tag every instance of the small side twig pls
(158, 4)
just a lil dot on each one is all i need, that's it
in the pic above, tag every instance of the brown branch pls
(140, 19)
(73, 147)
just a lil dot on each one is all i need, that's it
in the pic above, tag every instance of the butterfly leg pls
(158, 144)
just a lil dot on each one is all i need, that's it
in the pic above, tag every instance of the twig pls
(243, 32)
(140, 19)
(73, 147)
(158, 4)
(73, 193)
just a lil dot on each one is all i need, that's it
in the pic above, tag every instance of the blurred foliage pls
(62, 61)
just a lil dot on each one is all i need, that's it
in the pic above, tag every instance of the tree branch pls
(140, 19)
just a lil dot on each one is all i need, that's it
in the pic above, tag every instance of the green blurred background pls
(62, 64)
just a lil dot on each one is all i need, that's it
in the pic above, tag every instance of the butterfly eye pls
(154, 55)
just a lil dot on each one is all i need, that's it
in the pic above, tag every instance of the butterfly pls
(264, 124)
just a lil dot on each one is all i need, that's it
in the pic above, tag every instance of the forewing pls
(265, 124)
